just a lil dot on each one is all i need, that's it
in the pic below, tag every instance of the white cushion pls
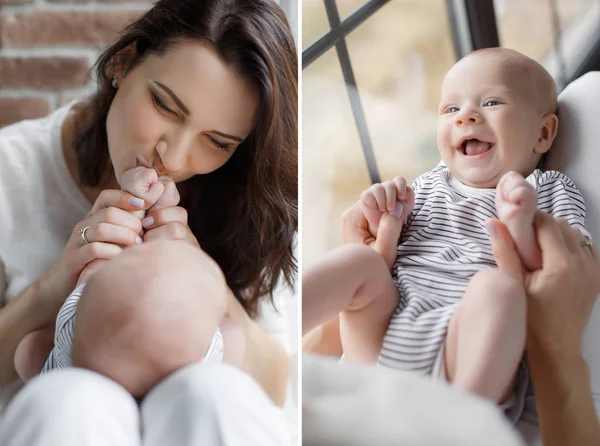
(576, 153)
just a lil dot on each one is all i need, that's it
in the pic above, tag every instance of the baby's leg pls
(355, 281)
(516, 204)
(486, 335)
(32, 352)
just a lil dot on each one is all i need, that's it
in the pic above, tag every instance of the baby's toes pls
(524, 196)
(143, 183)
(137, 176)
(138, 181)
(515, 198)
(511, 182)
(170, 196)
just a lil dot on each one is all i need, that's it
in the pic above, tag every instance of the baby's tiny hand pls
(393, 196)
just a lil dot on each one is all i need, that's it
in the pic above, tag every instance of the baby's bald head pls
(523, 74)
(142, 311)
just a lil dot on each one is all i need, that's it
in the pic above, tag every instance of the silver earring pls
(115, 82)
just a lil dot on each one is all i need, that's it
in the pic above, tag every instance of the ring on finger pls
(82, 233)
(586, 243)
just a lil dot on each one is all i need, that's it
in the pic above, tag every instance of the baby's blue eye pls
(452, 109)
(491, 103)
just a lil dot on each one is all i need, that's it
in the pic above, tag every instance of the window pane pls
(334, 171)
(400, 56)
(527, 25)
(314, 21)
(347, 7)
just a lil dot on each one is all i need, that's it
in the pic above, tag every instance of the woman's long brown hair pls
(245, 214)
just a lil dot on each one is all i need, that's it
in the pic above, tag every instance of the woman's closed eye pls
(158, 102)
(219, 144)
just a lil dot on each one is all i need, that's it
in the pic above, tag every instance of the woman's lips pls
(140, 162)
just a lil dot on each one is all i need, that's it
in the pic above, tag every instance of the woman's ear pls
(547, 134)
(120, 62)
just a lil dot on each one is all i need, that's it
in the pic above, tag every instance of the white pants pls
(201, 404)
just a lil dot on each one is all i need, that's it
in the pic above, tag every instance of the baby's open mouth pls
(474, 147)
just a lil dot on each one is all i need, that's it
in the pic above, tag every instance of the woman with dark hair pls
(202, 91)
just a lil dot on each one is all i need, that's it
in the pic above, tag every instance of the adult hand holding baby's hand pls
(167, 221)
(377, 219)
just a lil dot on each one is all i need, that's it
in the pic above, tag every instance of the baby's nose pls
(468, 117)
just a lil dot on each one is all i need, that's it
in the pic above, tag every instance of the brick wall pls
(47, 48)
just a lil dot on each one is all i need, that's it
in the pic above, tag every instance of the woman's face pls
(182, 114)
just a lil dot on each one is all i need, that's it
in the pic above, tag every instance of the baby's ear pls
(548, 129)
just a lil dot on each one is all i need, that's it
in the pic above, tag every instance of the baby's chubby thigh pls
(149, 312)
(486, 334)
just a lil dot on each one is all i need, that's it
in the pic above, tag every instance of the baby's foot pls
(143, 183)
(516, 204)
(170, 196)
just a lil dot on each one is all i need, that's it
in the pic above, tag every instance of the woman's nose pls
(173, 153)
(468, 116)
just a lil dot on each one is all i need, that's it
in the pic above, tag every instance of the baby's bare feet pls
(143, 183)
(516, 204)
(170, 196)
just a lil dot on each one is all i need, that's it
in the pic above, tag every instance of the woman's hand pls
(110, 228)
(166, 220)
(560, 299)
(562, 294)
(377, 218)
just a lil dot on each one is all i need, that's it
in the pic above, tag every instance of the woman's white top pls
(40, 203)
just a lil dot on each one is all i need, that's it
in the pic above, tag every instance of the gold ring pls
(82, 232)
(586, 243)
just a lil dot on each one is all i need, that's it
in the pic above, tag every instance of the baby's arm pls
(385, 207)
(350, 279)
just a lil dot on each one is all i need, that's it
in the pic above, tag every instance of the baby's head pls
(497, 113)
(148, 312)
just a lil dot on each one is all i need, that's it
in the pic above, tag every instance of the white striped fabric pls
(60, 356)
(442, 246)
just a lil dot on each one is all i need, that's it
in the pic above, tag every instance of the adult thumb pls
(388, 234)
(503, 249)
